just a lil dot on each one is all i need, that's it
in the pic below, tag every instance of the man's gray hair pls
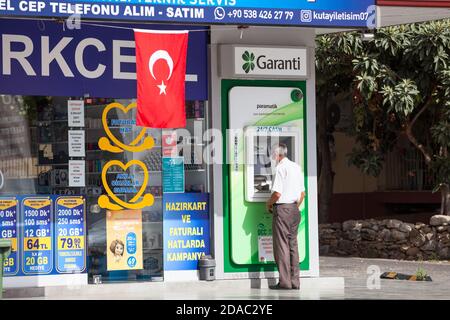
(280, 149)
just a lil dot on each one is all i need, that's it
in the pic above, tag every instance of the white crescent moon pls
(157, 55)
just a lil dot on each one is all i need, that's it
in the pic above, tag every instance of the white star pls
(162, 88)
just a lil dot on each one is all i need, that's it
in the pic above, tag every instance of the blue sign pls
(329, 13)
(173, 174)
(37, 235)
(70, 232)
(186, 230)
(95, 61)
(47, 234)
(9, 231)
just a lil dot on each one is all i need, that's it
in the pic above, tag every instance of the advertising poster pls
(9, 231)
(124, 240)
(70, 233)
(48, 234)
(37, 235)
(186, 230)
(173, 174)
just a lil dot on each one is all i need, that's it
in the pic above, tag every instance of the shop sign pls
(41, 58)
(48, 234)
(186, 230)
(348, 13)
(285, 62)
(263, 62)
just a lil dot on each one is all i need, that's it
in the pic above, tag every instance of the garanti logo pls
(249, 61)
(267, 61)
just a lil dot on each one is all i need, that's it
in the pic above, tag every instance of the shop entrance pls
(36, 159)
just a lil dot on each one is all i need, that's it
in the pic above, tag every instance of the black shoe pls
(278, 287)
(295, 288)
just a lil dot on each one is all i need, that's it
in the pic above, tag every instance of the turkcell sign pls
(41, 58)
(281, 62)
(329, 13)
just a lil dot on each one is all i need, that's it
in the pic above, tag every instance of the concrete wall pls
(349, 179)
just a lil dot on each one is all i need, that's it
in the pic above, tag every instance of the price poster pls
(173, 174)
(8, 231)
(37, 235)
(70, 233)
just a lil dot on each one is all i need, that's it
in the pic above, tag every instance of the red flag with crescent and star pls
(161, 73)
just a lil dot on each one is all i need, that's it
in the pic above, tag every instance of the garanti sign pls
(329, 13)
(263, 62)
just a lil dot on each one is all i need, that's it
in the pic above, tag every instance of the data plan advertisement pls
(124, 240)
(48, 234)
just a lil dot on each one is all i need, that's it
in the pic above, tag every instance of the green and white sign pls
(263, 62)
(258, 106)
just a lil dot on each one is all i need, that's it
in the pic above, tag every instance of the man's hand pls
(273, 199)
(300, 201)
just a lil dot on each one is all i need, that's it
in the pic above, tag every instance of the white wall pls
(270, 36)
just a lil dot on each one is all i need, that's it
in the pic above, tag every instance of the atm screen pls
(263, 169)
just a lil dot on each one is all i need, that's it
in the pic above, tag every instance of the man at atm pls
(288, 193)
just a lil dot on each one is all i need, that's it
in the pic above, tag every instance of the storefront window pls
(38, 144)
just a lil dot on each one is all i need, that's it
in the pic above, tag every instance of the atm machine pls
(260, 114)
(259, 166)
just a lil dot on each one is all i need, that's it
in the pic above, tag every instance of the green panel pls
(253, 221)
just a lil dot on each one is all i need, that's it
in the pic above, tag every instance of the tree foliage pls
(401, 86)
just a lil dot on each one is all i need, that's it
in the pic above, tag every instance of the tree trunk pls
(445, 205)
(325, 183)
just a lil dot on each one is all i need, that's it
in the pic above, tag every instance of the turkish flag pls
(161, 74)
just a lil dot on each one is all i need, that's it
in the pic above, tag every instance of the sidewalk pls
(353, 270)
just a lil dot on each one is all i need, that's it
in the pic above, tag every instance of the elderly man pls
(288, 193)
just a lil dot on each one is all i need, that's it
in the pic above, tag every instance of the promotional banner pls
(47, 234)
(43, 58)
(70, 232)
(9, 231)
(124, 240)
(186, 230)
(348, 13)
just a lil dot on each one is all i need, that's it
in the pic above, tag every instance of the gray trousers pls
(286, 219)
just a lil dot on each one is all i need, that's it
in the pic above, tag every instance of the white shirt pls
(289, 181)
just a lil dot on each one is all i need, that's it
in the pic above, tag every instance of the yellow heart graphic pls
(104, 201)
(104, 143)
